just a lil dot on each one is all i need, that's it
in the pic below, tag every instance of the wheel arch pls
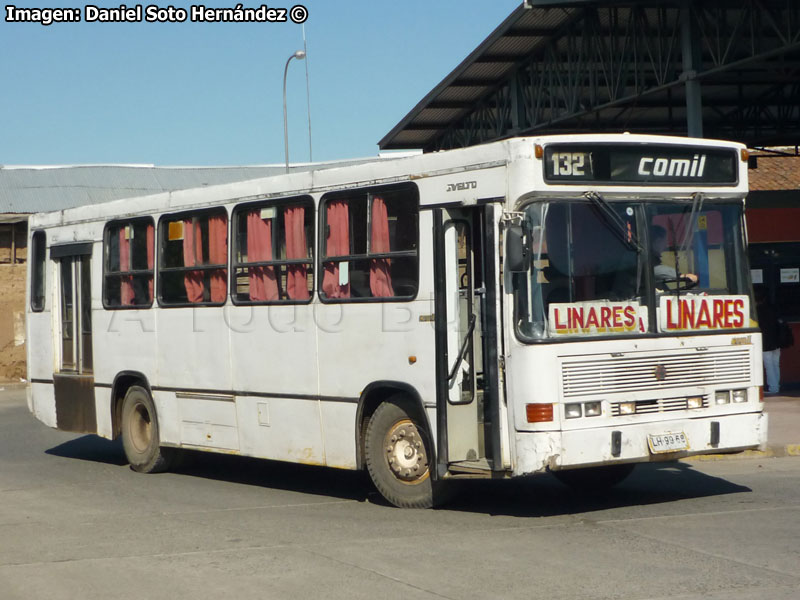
(371, 398)
(123, 381)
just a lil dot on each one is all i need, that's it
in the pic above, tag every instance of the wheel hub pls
(405, 452)
(140, 429)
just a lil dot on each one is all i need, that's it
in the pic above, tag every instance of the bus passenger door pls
(73, 379)
(465, 293)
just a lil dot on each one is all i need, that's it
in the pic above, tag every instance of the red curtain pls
(294, 221)
(218, 255)
(192, 255)
(337, 244)
(126, 281)
(151, 248)
(263, 286)
(380, 277)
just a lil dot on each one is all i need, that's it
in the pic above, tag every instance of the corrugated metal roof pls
(41, 189)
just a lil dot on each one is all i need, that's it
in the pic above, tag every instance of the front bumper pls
(555, 450)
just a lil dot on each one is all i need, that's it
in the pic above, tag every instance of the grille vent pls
(655, 373)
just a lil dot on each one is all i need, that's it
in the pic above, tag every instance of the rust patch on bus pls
(75, 408)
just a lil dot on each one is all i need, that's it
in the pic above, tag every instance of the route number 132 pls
(570, 164)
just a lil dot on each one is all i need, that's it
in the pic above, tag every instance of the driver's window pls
(688, 251)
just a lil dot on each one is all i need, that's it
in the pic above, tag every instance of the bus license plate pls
(667, 442)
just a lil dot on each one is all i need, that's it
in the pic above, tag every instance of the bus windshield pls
(603, 268)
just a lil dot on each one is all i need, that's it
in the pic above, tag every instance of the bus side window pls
(129, 251)
(273, 253)
(37, 271)
(193, 261)
(370, 245)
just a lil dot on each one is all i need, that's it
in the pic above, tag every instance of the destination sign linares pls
(695, 313)
(596, 318)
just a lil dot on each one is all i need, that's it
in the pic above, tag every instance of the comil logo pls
(672, 167)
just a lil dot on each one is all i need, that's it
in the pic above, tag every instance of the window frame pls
(38, 260)
(161, 240)
(409, 189)
(106, 272)
(304, 200)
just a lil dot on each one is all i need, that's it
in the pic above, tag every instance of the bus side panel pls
(42, 402)
(340, 449)
(193, 349)
(274, 357)
(280, 429)
(362, 343)
(124, 340)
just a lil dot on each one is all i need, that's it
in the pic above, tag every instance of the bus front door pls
(73, 380)
(466, 339)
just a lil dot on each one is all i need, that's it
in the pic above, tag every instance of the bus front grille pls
(655, 372)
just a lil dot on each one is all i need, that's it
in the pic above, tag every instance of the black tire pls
(397, 449)
(595, 479)
(140, 438)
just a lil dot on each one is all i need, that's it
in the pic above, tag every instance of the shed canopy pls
(727, 69)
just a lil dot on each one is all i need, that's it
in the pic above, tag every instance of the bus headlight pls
(572, 411)
(739, 395)
(627, 408)
(592, 409)
(722, 397)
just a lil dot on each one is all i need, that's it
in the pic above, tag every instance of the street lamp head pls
(299, 55)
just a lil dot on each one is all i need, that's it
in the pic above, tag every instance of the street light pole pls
(299, 55)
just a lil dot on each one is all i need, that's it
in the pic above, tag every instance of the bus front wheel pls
(140, 438)
(397, 452)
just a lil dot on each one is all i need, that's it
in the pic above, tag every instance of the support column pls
(13, 243)
(692, 61)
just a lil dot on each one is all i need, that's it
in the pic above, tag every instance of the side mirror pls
(517, 257)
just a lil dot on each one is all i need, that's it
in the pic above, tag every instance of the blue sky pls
(211, 94)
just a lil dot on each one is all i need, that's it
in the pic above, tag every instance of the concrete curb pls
(12, 385)
(775, 451)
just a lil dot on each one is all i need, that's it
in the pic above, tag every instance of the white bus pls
(573, 304)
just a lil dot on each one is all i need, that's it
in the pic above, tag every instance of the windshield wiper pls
(617, 223)
(697, 206)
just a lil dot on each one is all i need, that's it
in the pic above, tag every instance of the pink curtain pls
(380, 277)
(126, 281)
(338, 244)
(151, 248)
(192, 255)
(218, 255)
(263, 286)
(294, 220)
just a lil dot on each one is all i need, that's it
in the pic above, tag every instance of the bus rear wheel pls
(397, 452)
(140, 438)
(595, 479)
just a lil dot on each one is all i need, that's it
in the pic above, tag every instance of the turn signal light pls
(745, 155)
(538, 151)
(539, 413)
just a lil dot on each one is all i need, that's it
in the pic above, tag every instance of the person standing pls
(771, 352)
